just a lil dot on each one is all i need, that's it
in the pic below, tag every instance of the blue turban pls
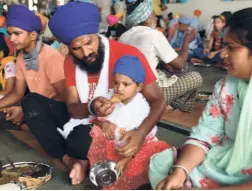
(21, 17)
(132, 67)
(74, 19)
(185, 20)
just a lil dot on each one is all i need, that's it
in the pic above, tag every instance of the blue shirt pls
(178, 40)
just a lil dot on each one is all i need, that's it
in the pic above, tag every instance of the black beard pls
(92, 67)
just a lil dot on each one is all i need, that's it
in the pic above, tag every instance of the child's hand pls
(122, 164)
(211, 55)
(206, 51)
(108, 130)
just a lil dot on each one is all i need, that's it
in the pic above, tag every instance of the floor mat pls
(184, 119)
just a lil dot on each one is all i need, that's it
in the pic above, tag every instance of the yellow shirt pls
(156, 7)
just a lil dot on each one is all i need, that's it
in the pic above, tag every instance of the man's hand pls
(102, 107)
(175, 181)
(134, 141)
(190, 35)
(14, 114)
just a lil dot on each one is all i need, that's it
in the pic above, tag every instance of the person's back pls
(143, 38)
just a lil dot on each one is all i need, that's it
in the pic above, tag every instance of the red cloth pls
(117, 50)
(136, 172)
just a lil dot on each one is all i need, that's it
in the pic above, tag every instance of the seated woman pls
(107, 134)
(7, 68)
(218, 153)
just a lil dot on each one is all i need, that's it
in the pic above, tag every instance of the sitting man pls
(41, 69)
(179, 36)
(89, 75)
(181, 92)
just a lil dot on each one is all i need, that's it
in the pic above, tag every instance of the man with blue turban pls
(89, 72)
(179, 89)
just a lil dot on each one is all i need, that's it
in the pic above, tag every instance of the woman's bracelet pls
(185, 170)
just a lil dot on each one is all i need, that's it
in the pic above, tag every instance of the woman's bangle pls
(185, 170)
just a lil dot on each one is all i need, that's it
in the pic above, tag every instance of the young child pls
(178, 38)
(7, 68)
(128, 115)
(215, 45)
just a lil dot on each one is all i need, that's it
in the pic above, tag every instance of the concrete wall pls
(208, 7)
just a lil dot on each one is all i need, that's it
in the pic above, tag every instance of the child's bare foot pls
(196, 61)
(121, 164)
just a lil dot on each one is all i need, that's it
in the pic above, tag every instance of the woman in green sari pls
(218, 153)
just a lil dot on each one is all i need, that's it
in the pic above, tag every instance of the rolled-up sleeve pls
(211, 127)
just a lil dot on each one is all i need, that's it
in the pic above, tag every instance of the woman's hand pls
(174, 181)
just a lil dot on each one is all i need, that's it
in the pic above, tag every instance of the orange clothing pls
(50, 71)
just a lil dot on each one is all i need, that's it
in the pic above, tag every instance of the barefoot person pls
(41, 69)
(218, 153)
(89, 75)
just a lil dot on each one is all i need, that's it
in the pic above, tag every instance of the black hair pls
(227, 15)
(218, 17)
(241, 24)
(170, 16)
(3, 45)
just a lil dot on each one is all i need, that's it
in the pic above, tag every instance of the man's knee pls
(78, 142)
(197, 79)
(31, 106)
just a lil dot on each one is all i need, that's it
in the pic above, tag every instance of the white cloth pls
(163, 81)
(9, 186)
(82, 86)
(209, 29)
(130, 116)
(10, 70)
(151, 43)
(103, 83)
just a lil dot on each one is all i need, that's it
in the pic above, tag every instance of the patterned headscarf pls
(141, 13)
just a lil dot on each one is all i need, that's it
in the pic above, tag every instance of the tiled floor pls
(9, 146)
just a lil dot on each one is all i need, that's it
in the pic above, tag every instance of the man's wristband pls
(91, 107)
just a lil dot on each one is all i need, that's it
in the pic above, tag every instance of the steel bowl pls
(104, 173)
